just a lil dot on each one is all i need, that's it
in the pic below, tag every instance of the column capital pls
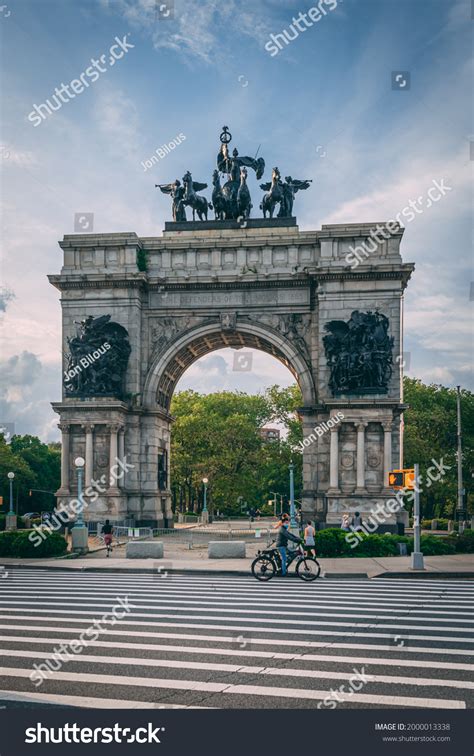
(114, 427)
(361, 425)
(335, 428)
(88, 427)
(387, 425)
(65, 427)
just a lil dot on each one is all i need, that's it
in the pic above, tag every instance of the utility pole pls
(417, 562)
(460, 506)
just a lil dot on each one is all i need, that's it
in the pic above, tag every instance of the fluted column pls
(387, 451)
(89, 471)
(65, 429)
(334, 461)
(113, 430)
(121, 453)
(360, 485)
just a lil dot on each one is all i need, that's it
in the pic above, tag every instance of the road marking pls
(255, 641)
(252, 629)
(209, 616)
(110, 596)
(238, 668)
(252, 690)
(89, 702)
(204, 650)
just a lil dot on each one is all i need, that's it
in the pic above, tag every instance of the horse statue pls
(274, 193)
(219, 202)
(197, 203)
(244, 203)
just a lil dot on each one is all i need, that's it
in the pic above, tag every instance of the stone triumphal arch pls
(146, 308)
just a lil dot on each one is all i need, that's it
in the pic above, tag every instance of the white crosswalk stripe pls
(223, 641)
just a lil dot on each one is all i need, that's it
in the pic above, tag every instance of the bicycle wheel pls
(308, 568)
(263, 568)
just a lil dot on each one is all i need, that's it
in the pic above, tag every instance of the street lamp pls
(79, 462)
(293, 523)
(10, 477)
(205, 481)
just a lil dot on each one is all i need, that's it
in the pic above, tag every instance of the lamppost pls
(10, 477)
(10, 522)
(79, 462)
(205, 513)
(80, 533)
(293, 523)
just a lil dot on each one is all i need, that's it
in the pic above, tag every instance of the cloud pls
(199, 29)
(6, 296)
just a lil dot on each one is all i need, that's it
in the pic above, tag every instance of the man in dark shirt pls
(283, 536)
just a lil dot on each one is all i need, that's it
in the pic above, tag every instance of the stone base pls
(226, 550)
(10, 522)
(213, 225)
(144, 550)
(80, 540)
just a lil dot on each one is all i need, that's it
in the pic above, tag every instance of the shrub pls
(433, 546)
(464, 543)
(16, 543)
(331, 542)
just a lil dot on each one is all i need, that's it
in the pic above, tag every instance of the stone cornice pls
(144, 282)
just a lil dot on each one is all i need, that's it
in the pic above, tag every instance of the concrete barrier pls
(226, 550)
(144, 550)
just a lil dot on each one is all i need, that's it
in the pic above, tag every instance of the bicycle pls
(267, 564)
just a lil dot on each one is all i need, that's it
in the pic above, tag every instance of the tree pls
(36, 465)
(218, 436)
(430, 433)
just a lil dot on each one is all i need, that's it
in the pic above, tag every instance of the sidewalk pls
(451, 566)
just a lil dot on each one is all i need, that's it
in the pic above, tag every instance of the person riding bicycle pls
(107, 531)
(283, 537)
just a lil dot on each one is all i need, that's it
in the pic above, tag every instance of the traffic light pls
(395, 479)
(402, 479)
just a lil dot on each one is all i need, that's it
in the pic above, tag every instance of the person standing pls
(309, 538)
(345, 522)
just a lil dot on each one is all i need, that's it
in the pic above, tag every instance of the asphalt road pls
(231, 642)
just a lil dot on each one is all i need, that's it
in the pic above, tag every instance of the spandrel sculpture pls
(98, 359)
(359, 353)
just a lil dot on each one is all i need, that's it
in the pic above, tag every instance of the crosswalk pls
(128, 640)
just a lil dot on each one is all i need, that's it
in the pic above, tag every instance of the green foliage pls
(430, 433)
(142, 260)
(218, 436)
(331, 542)
(464, 543)
(16, 543)
(36, 465)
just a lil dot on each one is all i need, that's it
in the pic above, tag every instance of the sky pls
(372, 101)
